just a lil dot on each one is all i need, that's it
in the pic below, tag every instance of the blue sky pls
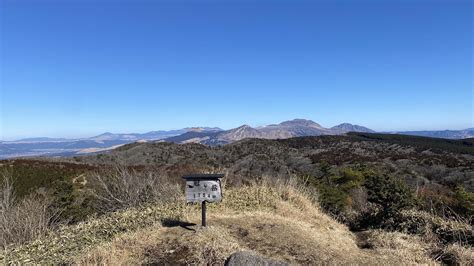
(79, 68)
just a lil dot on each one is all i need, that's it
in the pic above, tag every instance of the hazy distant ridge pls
(445, 134)
(42, 146)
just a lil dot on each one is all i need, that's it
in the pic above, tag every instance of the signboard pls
(198, 191)
(202, 188)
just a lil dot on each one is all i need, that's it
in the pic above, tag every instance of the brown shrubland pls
(278, 218)
(120, 188)
(25, 219)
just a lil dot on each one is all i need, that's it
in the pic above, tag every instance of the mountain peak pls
(344, 125)
(105, 134)
(300, 122)
(242, 132)
(244, 126)
(348, 127)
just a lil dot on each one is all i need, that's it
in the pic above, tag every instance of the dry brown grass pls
(63, 244)
(126, 249)
(409, 248)
(173, 245)
(279, 222)
(457, 254)
(278, 219)
(205, 246)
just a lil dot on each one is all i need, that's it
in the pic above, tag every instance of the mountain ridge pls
(347, 127)
(212, 136)
(286, 129)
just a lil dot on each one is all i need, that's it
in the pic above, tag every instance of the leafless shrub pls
(434, 172)
(122, 188)
(455, 254)
(25, 219)
(455, 230)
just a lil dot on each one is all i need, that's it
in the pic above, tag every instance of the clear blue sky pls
(79, 68)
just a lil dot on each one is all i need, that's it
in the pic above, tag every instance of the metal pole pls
(203, 209)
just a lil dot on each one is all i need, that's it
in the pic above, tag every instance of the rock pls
(251, 258)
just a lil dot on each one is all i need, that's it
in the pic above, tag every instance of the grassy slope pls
(278, 222)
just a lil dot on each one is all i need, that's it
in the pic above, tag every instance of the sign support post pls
(203, 213)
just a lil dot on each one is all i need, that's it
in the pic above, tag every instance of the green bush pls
(71, 205)
(391, 194)
(378, 200)
(334, 190)
(465, 201)
(332, 198)
(349, 179)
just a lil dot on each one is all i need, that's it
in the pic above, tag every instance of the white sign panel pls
(203, 190)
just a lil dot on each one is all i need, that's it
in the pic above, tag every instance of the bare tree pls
(25, 219)
(121, 188)
(7, 197)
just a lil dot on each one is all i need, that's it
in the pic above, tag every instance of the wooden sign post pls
(202, 188)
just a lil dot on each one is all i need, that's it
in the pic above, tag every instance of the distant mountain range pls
(205, 135)
(444, 134)
(287, 129)
(70, 147)
(152, 135)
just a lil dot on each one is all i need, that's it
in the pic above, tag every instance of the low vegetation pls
(25, 219)
(422, 143)
(334, 199)
(256, 217)
(120, 188)
(365, 199)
